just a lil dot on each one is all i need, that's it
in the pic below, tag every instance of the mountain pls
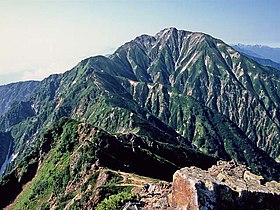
(80, 166)
(263, 59)
(265, 62)
(159, 102)
(213, 73)
(11, 93)
(260, 51)
(69, 152)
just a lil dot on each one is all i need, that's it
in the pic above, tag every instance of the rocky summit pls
(223, 186)
(156, 105)
(226, 185)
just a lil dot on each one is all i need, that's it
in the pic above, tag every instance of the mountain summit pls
(213, 73)
(157, 104)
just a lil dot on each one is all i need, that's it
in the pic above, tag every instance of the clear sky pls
(41, 37)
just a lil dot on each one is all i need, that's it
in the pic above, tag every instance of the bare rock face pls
(224, 186)
(156, 196)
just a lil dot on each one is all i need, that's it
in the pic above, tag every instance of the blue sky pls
(39, 38)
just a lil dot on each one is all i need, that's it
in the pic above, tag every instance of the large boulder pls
(224, 186)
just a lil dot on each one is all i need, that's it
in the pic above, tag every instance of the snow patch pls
(207, 61)
(224, 55)
(14, 156)
(256, 77)
(150, 86)
(192, 60)
(170, 93)
(133, 83)
(34, 108)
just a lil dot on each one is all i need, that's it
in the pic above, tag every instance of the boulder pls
(223, 186)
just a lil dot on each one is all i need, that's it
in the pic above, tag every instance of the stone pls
(224, 186)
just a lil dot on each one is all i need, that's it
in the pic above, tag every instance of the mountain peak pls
(157, 104)
(172, 31)
(168, 30)
(171, 36)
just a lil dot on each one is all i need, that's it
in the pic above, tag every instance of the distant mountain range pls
(157, 104)
(264, 55)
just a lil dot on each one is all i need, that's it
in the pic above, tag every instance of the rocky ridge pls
(80, 165)
(226, 185)
(223, 186)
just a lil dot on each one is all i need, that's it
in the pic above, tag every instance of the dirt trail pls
(133, 180)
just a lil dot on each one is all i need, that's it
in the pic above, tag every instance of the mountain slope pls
(177, 87)
(207, 69)
(11, 93)
(266, 62)
(72, 156)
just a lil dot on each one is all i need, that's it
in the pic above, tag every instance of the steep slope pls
(172, 88)
(9, 96)
(11, 93)
(70, 161)
(212, 72)
(5, 149)
(210, 132)
(69, 170)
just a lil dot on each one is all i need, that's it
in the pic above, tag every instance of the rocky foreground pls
(223, 186)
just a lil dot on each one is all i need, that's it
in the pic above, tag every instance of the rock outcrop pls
(156, 195)
(224, 186)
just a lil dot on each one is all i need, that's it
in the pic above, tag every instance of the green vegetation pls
(54, 174)
(164, 102)
(116, 201)
(113, 178)
(91, 181)
(11, 93)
